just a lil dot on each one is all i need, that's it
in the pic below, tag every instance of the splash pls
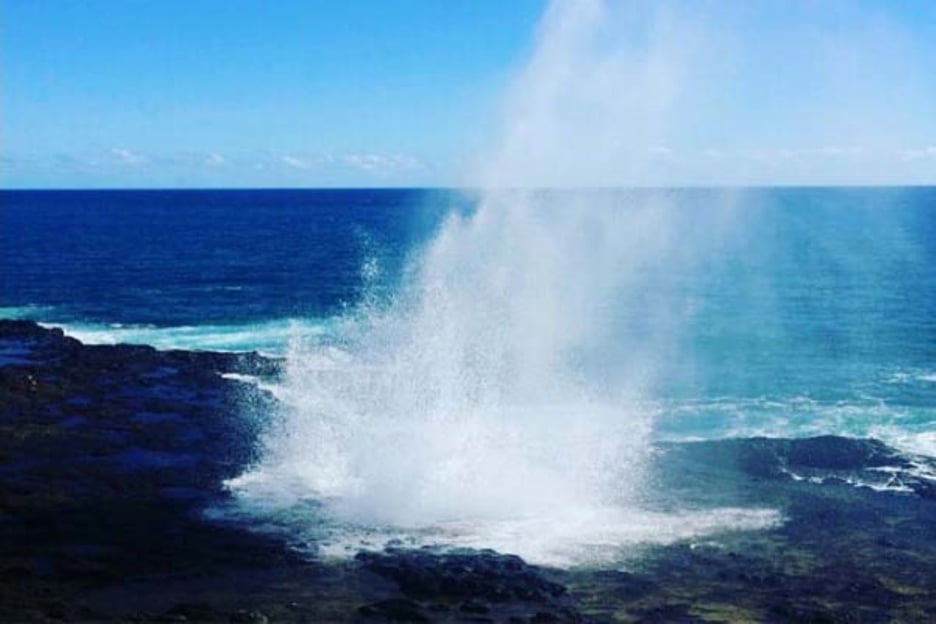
(497, 400)
(468, 397)
(269, 338)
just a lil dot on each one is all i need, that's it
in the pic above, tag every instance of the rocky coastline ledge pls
(109, 454)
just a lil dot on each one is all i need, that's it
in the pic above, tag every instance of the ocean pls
(653, 315)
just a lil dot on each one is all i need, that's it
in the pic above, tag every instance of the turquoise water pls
(782, 312)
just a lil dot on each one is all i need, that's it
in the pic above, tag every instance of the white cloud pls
(383, 163)
(919, 153)
(790, 155)
(127, 157)
(760, 155)
(214, 159)
(841, 151)
(296, 163)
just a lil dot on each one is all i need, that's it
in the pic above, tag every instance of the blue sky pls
(211, 93)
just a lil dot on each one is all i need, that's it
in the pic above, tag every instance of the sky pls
(315, 93)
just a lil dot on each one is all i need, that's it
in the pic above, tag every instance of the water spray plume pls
(478, 406)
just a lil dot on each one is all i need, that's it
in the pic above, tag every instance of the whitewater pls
(498, 368)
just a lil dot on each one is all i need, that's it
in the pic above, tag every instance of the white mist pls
(497, 401)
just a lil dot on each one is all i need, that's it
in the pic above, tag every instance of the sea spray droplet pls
(466, 412)
(465, 398)
(500, 387)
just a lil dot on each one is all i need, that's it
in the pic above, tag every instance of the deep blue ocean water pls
(815, 311)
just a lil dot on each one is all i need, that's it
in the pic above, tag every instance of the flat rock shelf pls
(110, 455)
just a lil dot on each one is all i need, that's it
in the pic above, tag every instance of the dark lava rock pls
(669, 614)
(824, 460)
(107, 456)
(463, 573)
(769, 457)
(395, 610)
(110, 455)
(838, 453)
(481, 583)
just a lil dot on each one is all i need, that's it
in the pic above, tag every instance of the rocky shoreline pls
(109, 454)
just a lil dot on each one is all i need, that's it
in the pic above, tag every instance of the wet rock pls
(838, 453)
(395, 610)
(486, 575)
(107, 454)
(925, 488)
(249, 617)
(807, 613)
(479, 583)
(193, 612)
(474, 606)
(669, 614)
(109, 457)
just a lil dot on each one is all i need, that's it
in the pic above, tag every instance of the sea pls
(653, 315)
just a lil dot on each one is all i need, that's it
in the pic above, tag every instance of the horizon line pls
(468, 188)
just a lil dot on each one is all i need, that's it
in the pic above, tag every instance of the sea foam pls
(267, 337)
